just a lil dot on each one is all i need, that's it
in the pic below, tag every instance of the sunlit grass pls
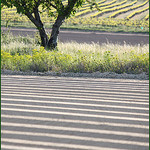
(25, 54)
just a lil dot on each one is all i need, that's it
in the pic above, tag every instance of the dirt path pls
(89, 37)
(47, 113)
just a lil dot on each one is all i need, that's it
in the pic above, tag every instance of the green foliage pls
(42, 61)
(6, 60)
(24, 6)
(30, 8)
(23, 53)
(21, 5)
(12, 44)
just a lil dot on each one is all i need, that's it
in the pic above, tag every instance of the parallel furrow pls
(49, 113)
(75, 92)
(66, 107)
(94, 90)
(74, 101)
(53, 144)
(74, 137)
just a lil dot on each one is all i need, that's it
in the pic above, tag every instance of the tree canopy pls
(30, 8)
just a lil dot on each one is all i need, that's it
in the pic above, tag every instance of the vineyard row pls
(115, 14)
(81, 13)
(113, 9)
(137, 12)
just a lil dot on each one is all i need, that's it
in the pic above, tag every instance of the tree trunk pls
(39, 25)
(44, 38)
(52, 43)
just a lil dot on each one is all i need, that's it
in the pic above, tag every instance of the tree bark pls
(52, 43)
(43, 35)
(39, 25)
(44, 38)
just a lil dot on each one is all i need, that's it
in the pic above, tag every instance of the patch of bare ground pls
(142, 76)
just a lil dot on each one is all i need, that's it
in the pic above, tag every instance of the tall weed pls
(24, 54)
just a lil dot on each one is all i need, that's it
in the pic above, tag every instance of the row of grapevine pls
(146, 17)
(9, 12)
(87, 6)
(107, 22)
(137, 12)
(9, 15)
(115, 14)
(109, 3)
(100, 6)
(113, 9)
(84, 7)
(113, 5)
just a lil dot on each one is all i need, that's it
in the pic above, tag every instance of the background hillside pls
(114, 15)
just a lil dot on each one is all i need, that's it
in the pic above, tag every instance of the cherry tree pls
(30, 8)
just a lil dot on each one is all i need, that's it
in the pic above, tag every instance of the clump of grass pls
(74, 57)
(18, 44)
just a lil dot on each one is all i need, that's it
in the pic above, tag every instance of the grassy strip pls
(24, 54)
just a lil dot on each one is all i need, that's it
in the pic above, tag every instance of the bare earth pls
(65, 113)
(89, 37)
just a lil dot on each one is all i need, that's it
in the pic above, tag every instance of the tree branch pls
(37, 3)
(60, 3)
(36, 14)
(36, 23)
(69, 7)
(51, 4)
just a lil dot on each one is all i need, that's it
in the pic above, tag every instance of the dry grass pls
(24, 54)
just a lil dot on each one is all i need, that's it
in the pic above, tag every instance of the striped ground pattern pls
(49, 113)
